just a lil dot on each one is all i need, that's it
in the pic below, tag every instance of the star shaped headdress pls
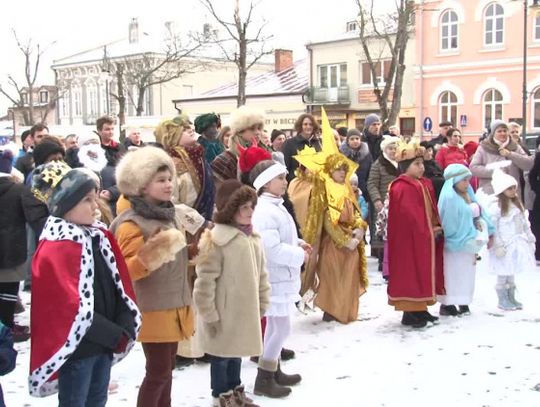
(410, 150)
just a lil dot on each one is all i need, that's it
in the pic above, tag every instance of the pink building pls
(470, 63)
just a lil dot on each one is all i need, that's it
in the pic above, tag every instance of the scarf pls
(393, 162)
(147, 210)
(246, 229)
(501, 144)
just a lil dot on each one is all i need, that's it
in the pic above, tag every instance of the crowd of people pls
(202, 244)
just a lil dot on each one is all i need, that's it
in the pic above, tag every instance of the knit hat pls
(370, 119)
(496, 124)
(251, 156)
(354, 179)
(230, 195)
(137, 168)
(204, 121)
(501, 181)
(71, 189)
(275, 134)
(353, 132)
(45, 149)
(6, 161)
(245, 117)
(87, 138)
(46, 177)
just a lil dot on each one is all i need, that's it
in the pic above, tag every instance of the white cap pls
(89, 137)
(501, 181)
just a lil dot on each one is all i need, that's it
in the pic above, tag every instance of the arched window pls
(493, 24)
(448, 107)
(492, 106)
(76, 95)
(449, 30)
(536, 104)
(91, 99)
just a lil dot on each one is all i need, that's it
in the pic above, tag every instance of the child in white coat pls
(285, 254)
(514, 243)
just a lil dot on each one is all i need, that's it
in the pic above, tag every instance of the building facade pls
(340, 80)
(469, 63)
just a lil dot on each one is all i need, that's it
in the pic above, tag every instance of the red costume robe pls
(415, 258)
(62, 297)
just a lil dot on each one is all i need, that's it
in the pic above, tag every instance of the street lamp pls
(106, 74)
(534, 6)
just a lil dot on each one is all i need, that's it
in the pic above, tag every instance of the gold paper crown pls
(410, 150)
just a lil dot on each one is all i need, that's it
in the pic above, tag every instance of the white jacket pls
(284, 257)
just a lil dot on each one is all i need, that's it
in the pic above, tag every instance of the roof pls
(293, 80)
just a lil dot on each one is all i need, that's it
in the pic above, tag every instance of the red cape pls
(415, 259)
(61, 313)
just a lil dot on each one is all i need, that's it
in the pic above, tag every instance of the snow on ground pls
(488, 359)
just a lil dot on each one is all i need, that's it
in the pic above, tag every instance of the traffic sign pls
(428, 124)
(463, 120)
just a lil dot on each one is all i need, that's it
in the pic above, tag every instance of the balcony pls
(327, 96)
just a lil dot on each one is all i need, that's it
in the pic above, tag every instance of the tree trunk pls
(242, 72)
(120, 91)
(140, 101)
(31, 104)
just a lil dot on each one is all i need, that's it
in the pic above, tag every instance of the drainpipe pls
(421, 70)
(309, 108)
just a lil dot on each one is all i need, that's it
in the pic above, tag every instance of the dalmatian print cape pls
(63, 264)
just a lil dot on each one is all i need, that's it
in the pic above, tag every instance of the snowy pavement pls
(488, 359)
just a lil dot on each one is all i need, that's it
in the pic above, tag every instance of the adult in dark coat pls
(432, 171)
(307, 130)
(534, 215)
(441, 139)
(373, 135)
(25, 164)
(358, 151)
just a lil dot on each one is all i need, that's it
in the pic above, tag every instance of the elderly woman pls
(383, 171)
(499, 146)
(246, 125)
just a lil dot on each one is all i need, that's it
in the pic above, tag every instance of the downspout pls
(420, 124)
(309, 108)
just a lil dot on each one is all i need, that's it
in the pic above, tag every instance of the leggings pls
(502, 281)
(277, 331)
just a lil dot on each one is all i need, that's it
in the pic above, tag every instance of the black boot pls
(286, 379)
(413, 319)
(448, 310)
(464, 310)
(182, 362)
(328, 318)
(266, 385)
(287, 354)
(430, 318)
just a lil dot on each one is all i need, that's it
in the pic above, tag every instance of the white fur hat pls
(501, 181)
(245, 117)
(137, 168)
(89, 137)
(387, 140)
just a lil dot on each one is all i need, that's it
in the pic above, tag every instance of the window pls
(104, 97)
(536, 105)
(493, 24)
(352, 26)
(382, 68)
(25, 98)
(448, 107)
(492, 106)
(77, 101)
(64, 107)
(92, 100)
(449, 30)
(43, 96)
(537, 28)
(332, 76)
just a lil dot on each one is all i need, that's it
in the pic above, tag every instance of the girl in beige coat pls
(231, 291)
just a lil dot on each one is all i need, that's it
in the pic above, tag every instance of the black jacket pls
(374, 144)
(25, 164)
(18, 206)
(292, 146)
(112, 317)
(113, 152)
(433, 172)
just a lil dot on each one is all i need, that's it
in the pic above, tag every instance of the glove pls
(500, 251)
(213, 328)
(358, 233)
(352, 244)
(122, 344)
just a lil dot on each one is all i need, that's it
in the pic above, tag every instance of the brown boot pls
(286, 379)
(227, 399)
(265, 383)
(241, 398)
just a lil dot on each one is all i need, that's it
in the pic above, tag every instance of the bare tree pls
(247, 49)
(32, 56)
(393, 29)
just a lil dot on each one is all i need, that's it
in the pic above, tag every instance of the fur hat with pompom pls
(245, 117)
(137, 168)
(232, 194)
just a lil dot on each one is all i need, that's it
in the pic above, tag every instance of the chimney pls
(283, 59)
(133, 31)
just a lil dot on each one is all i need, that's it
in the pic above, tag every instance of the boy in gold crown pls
(415, 243)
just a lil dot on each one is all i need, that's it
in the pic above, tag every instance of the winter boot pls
(413, 319)
(286, 379)
(227, 399)
(287, 354)
(448, 310)
(265, 383)
(241, 398)
(512, 296)
(504, 301)
(430, 318)
(464, 310)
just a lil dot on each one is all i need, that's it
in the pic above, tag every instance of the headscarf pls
(456, 217)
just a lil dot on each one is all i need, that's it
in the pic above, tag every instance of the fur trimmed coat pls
(231, 291)
(382, 173)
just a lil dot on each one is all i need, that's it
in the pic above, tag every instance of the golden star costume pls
(342, 272)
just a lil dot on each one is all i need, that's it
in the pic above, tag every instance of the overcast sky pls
(75, 26)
